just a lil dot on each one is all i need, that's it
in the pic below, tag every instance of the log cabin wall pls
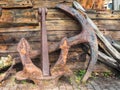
(19, 18)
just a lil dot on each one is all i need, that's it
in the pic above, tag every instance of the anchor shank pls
(44, 44)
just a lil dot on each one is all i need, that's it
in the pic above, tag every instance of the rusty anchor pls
(30, 71)
(86, 36)
(47, 76)
(60, 68)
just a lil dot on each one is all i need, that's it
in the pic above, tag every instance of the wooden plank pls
(35, 36)
(30, 3)
(102, 16)
(31, 15)
(51, 25)
(12, 48)
(15, 3)
(107, 22)
(110, 25)
(50, 3)
(62, 25)
(113, 34)
(18, 15)
(36, 44)
(54, 35)
(28, 17)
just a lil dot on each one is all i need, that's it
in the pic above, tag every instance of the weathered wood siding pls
(19, 19)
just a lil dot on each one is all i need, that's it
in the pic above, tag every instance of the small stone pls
(97, 87)
(69, 87)
(90, 89)
(89, 86)
(56, 88)
(112, 88)
(62, 87)
(93, 83)
(83, 88)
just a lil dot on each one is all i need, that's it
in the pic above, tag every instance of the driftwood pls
(108, 60)
(109, 47)
(114, 43)
(102, 46)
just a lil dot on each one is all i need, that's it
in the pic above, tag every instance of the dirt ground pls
(96, 83)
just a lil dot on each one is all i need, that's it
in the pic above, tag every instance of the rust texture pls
(0, 11)
(86, 36)
(30, 71)
(60, 66)
(44, 44)
(48, 76)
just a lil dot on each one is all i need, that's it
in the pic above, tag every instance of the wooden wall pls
(19, 18)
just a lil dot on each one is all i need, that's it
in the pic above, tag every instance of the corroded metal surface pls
(0, 11)
(30, 71)
(60, 67)
(52, 75)
(44, 44)
(86, 36)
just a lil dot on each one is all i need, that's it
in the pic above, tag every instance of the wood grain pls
(17, 23)
(15, 3)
